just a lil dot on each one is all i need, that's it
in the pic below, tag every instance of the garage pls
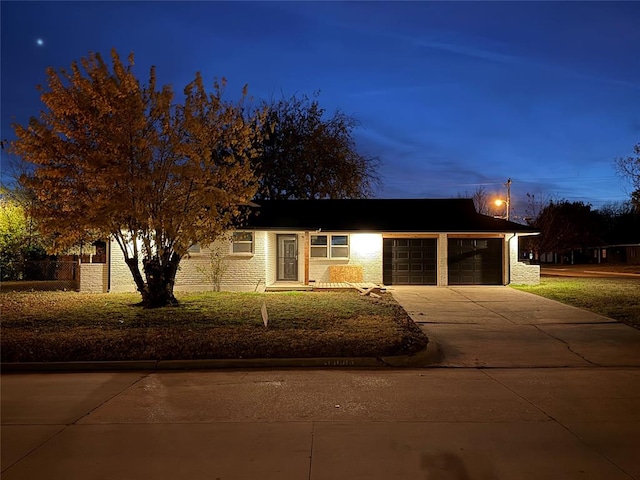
(475, 261)
(409, 261)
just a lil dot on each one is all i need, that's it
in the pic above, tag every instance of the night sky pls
(450, 95)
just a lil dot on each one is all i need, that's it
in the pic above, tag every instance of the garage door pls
(409, 261)
(475, 261)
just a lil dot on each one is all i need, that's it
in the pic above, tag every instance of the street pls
(323, 424)
(587, 271)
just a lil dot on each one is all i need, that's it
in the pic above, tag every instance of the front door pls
(288, 258)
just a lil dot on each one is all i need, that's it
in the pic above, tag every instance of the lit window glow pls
(366, 244)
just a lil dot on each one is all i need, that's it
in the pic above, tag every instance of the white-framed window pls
(242, 243)
(339, 246)
(319, 246)
(194, 249)
(329, 246)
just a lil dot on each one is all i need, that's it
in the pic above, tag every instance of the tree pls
(629, 168)
(481, 200)
(619, 223)
(535, 205)
(307, 155)
(20, 240)
(565, 226)
(113, 157)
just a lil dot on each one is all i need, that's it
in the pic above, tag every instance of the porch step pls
(321, 286)
(289, 288)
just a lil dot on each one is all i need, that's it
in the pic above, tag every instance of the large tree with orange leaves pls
(112, 157)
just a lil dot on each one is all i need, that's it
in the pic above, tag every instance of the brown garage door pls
(409, 261)
(475, 261)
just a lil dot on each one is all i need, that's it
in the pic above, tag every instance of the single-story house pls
(301, 243)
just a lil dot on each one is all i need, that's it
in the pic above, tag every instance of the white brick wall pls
(93, 277)
(270, 249)
(121, 279)
(249, 272)
(521, 273)
(365, 250)
(244, 272)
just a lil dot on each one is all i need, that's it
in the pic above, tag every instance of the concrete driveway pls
(503, 327)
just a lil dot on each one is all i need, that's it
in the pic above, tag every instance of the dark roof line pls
(378, 215)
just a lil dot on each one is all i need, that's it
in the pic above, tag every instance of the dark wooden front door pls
(287, 258)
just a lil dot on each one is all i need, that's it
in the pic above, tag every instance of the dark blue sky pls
(450, 95)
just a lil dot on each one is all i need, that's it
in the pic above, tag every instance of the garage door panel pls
(409, 261)
(475, 261)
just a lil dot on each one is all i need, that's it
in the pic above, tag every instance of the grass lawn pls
(618, 298)
(69, 326)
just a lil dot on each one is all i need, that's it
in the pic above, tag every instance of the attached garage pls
(475, 261)
(409, 261)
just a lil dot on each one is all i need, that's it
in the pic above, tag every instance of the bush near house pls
(69, 326)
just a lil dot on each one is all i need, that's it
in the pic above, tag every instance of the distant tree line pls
(575, 226)
(567, 227)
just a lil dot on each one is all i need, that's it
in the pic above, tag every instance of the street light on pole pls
(506, 202)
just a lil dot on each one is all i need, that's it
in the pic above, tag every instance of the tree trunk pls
(157, 290)
(161, 276)
(132, 263)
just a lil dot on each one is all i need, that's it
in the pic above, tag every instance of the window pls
(320, 246)
(339, 246)
(242, 242)
(194, 249)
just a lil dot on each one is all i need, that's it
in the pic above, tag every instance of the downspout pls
(109, 265)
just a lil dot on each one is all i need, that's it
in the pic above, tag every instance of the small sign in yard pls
(265, 315)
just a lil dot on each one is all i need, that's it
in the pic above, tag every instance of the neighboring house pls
(299, 243)
(622, 253)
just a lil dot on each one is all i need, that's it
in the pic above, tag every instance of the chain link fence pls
(39, 275)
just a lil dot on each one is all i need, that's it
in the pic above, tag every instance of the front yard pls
(618, 298)
(69, 326)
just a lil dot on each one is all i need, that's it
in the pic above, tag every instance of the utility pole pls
(508, 185)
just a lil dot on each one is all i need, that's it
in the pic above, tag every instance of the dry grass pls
(68, 326)
(618, 298)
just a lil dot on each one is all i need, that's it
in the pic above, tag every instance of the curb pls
(613, 273)
(424, 358)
